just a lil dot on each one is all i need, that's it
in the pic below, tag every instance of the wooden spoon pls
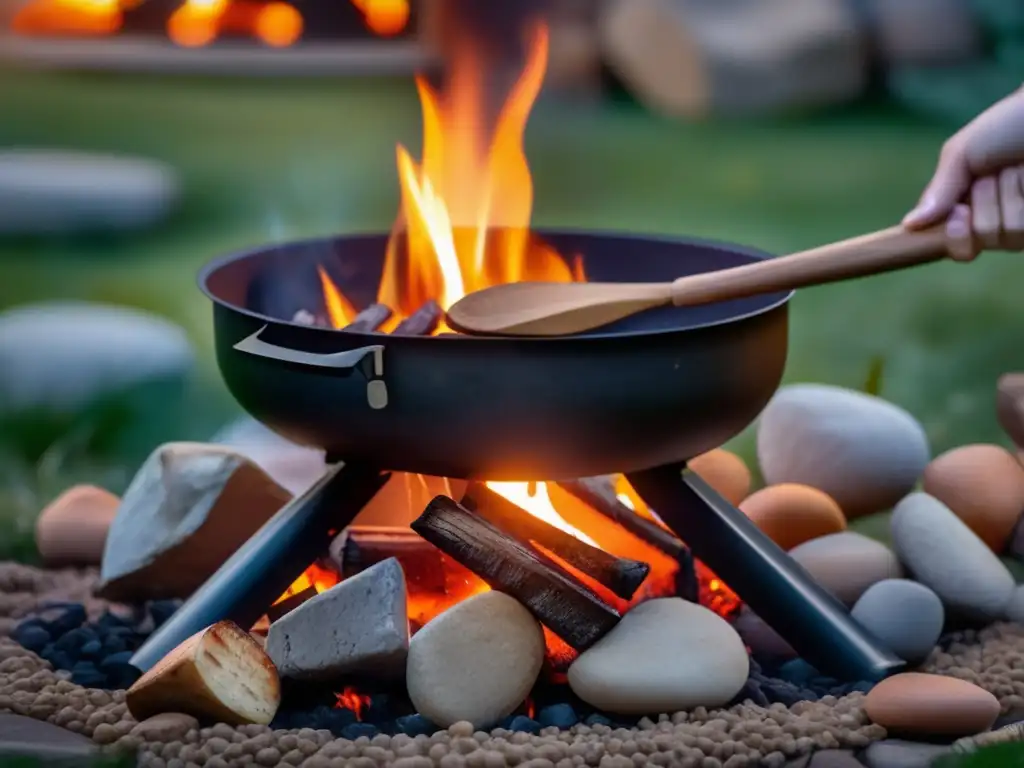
(557, 309)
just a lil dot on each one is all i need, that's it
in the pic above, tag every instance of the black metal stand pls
(777, 589)
(269, 562)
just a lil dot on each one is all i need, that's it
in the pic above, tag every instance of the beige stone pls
(187, 510)
(724, 471)
(983, 485)
(791, 514)
(476, 662)
(72, 529)
(931, 705)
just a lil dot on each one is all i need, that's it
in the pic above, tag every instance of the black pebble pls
(89, 678)
(73, 640)
(120, 674)
(355, 730)
(32, 636)
(379, 710)
(72, 616)
(752, 690)
(114, 644)
(416, 725)
(91, 649)
(559, 715)
(525, 724)
(162, 610)
(596, 719)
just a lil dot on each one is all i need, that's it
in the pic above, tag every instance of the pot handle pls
(369, 361)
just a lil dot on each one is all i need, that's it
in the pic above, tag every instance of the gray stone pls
(897, 753)
(944, 554)
(906, 616)
(186, 511)
(847, 563)
(764, 642)
(62, 356)
(862, 451)
(57, 192)
(30, 740)
(834, 758)
(359, 626)
(1015, 608)
(924, 32)
(665, 655)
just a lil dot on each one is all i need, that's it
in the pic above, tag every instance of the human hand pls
(978, 186)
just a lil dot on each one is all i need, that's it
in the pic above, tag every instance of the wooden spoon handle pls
(884, 251)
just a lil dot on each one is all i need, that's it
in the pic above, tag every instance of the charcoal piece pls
(110, 621)
(561, 716)
(380, 709)
(72, 641)
(524, 724)
(751, 691)
(119, 672)
(415, 725)
(335, 720)
(31, 636)
(596, 719)
(59, 659)
(354, 731)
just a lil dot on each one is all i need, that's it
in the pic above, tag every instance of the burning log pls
(219, 674)
(370, 319)
(422, 322)
(598, 494)
(290, 603)
(358, 547)
(565, 606)
(621, 575)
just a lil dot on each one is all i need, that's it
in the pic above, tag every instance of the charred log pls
(621, 575)
(358, 547)
(422, 322)
(558, 601)
(599, 495)
(370, 319)
(290, 603)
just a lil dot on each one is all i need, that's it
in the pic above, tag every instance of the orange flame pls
(351, 699)
(384, 17)
(315, 576)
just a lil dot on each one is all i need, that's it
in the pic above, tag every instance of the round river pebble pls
(906, 616)
(983, 485)
(791, 514)
(946, 555)
(477, 661)
(864, 452)
(664, 655)
(725, 472)
(931, 705)
(847, 563)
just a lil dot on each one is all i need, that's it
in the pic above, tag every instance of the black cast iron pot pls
(656, 389)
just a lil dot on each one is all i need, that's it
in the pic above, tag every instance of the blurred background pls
(141, 138)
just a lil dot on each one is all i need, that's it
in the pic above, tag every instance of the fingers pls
(959, 234)
(1011, 206)
(987, 218)
(994, 219)
(951, 182)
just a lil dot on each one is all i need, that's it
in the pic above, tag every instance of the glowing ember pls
(384, 17)
(319, 578)
(351, 699)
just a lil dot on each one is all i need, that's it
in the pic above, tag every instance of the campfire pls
(463, 225)
(542, 485)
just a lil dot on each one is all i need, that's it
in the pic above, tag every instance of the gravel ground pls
(744, 735)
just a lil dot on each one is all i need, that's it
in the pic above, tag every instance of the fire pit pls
(388, 388)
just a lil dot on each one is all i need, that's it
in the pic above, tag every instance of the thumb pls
(950, 183)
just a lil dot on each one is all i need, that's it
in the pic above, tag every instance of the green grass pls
(267, 160)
